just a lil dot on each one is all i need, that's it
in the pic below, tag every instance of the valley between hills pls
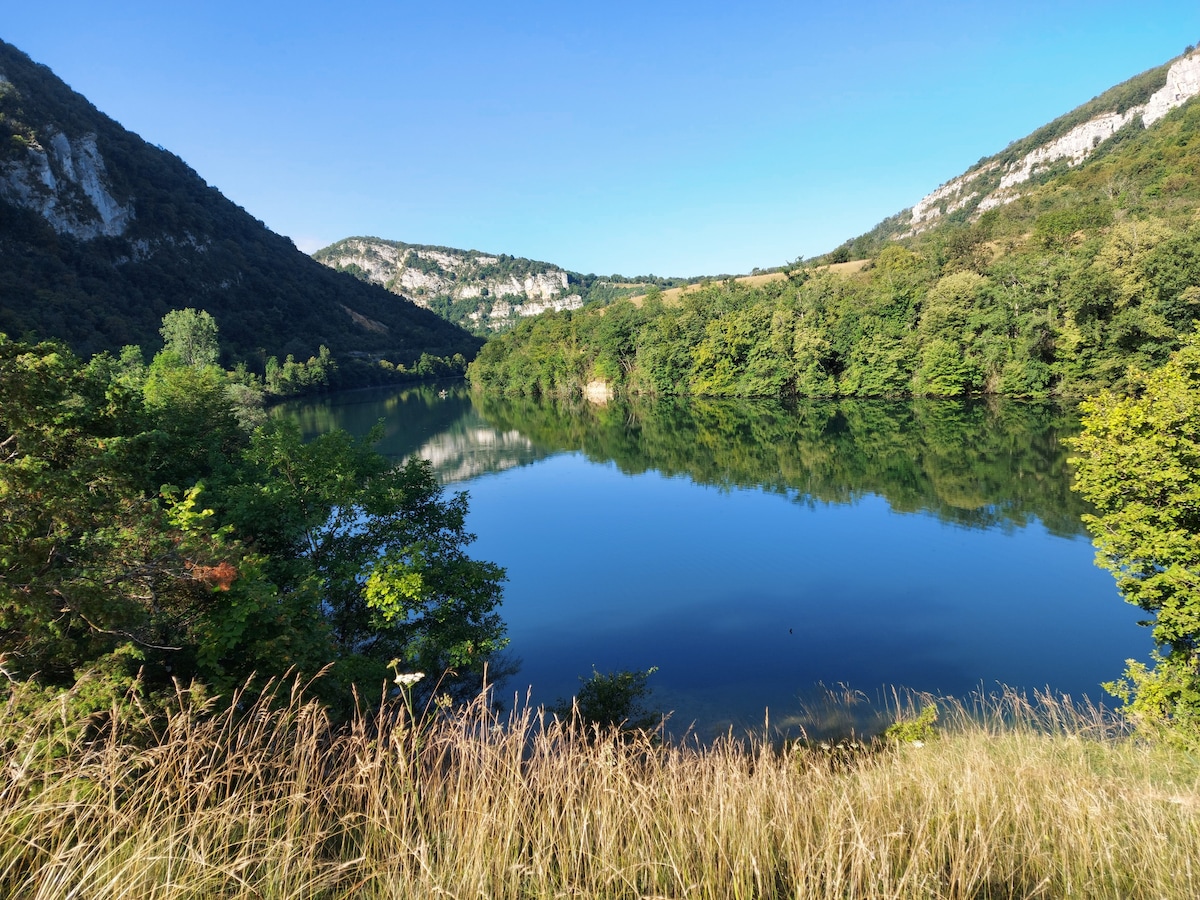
(247, 654)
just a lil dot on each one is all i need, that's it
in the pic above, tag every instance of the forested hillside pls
(1080, 271)
(102, 234)
(483, 292)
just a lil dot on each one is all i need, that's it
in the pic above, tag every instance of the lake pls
(754, 551)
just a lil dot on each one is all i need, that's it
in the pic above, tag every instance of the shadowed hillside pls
(102, 233)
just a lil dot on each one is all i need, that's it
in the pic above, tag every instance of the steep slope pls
(1049, 269)
(102, 233)
(483, 292)
(479, 290)
(1117, 114)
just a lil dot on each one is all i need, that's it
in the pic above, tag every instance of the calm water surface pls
(752, 551)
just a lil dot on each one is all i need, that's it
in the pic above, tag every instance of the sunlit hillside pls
(1049, 269)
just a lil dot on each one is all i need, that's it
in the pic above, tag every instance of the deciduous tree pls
(1139, 464)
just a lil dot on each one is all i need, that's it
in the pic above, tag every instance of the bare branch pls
(124, 634)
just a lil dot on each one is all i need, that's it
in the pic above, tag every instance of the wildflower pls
(408, 679)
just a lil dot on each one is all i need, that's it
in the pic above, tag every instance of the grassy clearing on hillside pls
(671, 295)
(1013, 800)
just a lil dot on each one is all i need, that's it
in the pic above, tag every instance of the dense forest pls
(1092, 270)
(156, 527)
(184, 245)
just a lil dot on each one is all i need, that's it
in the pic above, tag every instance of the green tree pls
(375, 552)
(260, 554)
(191, 336)
(1139, 464)
(615, 700)
(96, 569)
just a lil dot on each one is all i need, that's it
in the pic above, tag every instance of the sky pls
(643, 137)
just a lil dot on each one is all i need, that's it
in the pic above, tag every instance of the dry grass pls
(672, 295)
(1015, 799)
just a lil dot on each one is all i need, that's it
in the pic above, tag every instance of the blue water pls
(745, 600)
(743, 587)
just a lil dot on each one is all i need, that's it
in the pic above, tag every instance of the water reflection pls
(974, 463)
(979, 464)
(753, 550)
(438, 422)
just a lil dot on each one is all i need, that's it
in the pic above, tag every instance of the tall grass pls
(1014, 799)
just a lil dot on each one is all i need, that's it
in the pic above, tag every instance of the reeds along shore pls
(1013, 799)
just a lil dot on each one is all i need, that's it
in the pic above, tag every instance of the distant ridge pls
(1064, 143)
(102, 233)
(483, 292)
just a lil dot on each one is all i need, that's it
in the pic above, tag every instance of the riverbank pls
(1011, 799)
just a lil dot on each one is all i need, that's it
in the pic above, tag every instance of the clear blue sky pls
(632, 137)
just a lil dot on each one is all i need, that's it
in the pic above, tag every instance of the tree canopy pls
(147, 524)
(1139, 464)
(1091, 271)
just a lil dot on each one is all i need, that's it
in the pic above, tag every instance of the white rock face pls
(1074, 146)
(378, 260)
(66, 184)
(954, 194)
(503, 313)
(1183, 83)
(416, 280)
(458, 275)
(557, 304)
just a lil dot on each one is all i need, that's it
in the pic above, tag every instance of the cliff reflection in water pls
(436, 422)
(973, 463)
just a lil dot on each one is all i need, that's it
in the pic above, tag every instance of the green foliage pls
(918, 729)
(191, 336)
(1163, 699)
(974, 463)
(1094, 269)
(615, 700)
(375, 548)
(145, 527)
(1139, 459)
(1067, 312)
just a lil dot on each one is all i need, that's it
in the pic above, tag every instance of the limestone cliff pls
(487, 292)
(63, 180)
(998, 180)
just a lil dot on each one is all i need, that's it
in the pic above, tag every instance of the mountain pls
(1096, 127)
(1049, 269)
(101, 234)
(474, 289)
(483, 292)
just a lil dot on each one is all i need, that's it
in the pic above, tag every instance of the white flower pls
(408, 679)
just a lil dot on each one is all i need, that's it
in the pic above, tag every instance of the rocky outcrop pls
(65, 182)
(598, 392)
(951, 196)
(502, 313)
(542, 286)
(506, 289)
(979, 186)
(1183, 83)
